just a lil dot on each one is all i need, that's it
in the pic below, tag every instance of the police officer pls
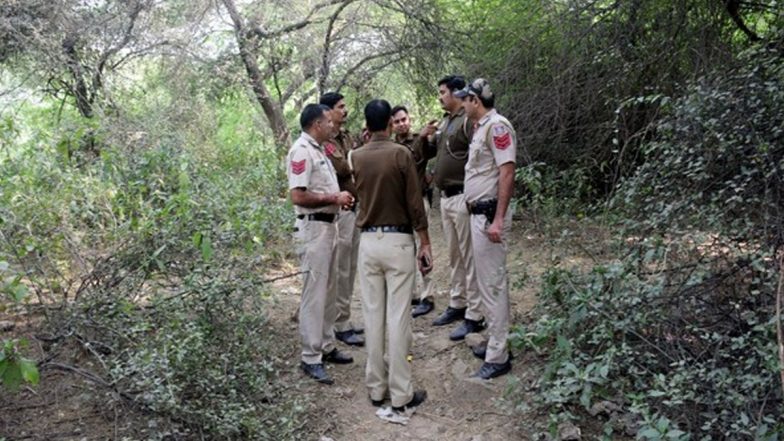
(317, 198)
(451, 151)
(391, 210)
(401, 126)
(337, 148)
(489, 185)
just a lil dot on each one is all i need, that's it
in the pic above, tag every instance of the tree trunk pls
(272, 110)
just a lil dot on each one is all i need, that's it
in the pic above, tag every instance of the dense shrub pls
(680, 331)
(149, 256)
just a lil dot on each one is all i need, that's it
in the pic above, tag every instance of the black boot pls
(422, 308)
(317, 372)
(450, 315)
(468, 326)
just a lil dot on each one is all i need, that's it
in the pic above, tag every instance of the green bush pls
(680, 330)
(152, 247)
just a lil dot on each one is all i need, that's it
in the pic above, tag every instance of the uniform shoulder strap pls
(499, 120)
(350, 162)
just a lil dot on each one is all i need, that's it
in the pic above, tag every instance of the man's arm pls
(304, 198)
(505, 192)
(423, 144)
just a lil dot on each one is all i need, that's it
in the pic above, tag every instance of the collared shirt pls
(387, 184)
(494, 143)
(415, 144)
(450, 149)
(308, 167)
(337, 150)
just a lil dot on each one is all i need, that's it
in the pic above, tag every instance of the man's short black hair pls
(377, 115)
(453, 82)
(398, 109)
(310, 114)
(488, 103)
(330, 99)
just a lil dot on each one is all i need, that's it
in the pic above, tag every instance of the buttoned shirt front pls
(307, 166)
(494, 143)
(450, 149)
(337, 150)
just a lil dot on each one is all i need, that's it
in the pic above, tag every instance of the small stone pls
(6, 326)
(604, 408)
(569, 432)
(459, 369)
(474, 340)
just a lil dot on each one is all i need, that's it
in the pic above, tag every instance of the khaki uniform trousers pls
(315, 243)
(387, 262)
(347, 249)
(493, 281)
(425, 283)
(456, 222)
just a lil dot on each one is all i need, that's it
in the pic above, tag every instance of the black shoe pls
(450, 315)
(316, 371)
(350, 337)
(492, 370)
(337, 357)
(359, 331)
(422, 308)
(419, 397)
(468, 326)
(481, 351)
(376, 403)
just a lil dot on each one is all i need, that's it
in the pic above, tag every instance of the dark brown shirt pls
(387, 184)
(450, 150)
(337, 150)
(416, 145)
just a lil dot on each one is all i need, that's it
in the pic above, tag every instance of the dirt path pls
(458, 407)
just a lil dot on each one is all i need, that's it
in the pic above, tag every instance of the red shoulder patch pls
(502, 139)
(298, 167)
(329, 149)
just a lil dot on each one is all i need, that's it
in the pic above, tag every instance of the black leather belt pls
(486, 207)
(451, 190)
(406, 229)
(321, 217)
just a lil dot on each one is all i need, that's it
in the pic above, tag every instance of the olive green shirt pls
(416, 145)
(387, 184)
(337, 150)
(450, 149)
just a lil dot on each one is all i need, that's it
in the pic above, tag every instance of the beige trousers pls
(315, 242)
(490, 261)
(456, 222)
(387, 262)
(425, 283)
(347, 248)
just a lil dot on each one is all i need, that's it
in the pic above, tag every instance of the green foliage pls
(15, 369)
(680, 331)
(153, 247)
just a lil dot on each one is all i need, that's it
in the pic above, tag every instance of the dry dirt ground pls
(68, 405)
(458, 408)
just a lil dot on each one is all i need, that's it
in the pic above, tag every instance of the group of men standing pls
(364, 206)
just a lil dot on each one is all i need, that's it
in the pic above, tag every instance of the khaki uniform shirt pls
(308, 167)
(337, 150)
(494, 143)
(415, 144)
(450, 150)
(388, 185)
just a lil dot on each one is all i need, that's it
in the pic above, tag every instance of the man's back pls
(387, 185)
